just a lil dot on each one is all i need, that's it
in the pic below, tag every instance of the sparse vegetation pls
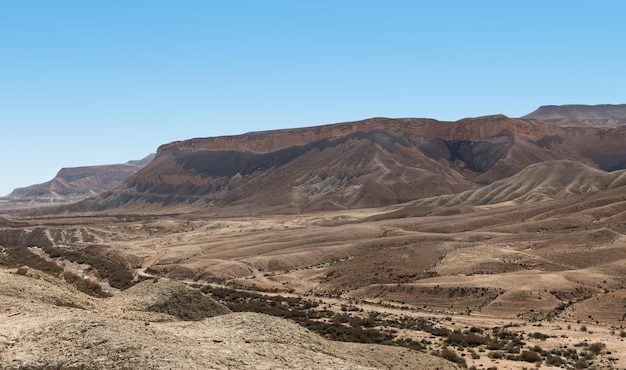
(108, 265)
(596, 348)
(188, 305)
(349, 324)
(539, 336)
(335, 326)
(451, 355)
(85, 285)
(18, 256)
(530, 356)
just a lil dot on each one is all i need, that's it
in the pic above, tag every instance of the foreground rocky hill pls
(368, 163)
(49, 324)
(76, 183)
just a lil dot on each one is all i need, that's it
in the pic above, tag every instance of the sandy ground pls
(557, 263)
(48, 323)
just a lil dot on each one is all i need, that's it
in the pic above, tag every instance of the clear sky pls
(107, 81)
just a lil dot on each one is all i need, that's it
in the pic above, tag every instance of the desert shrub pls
(365, 335)
(20, 256)
(512, 348)
(85, 285)
(571, 354)
(622, 334)
(513, 357)
(341, 318)
(587, 355)
(595, 348)
(540, 336)
(455, 338)
(410, 343)
(371, 320)
(561, 306)
(580, 364)
(109, 266)
(474, 340)
(530, 356)
(452, 356)
(555, 360)
(188, 305)
(342, 327)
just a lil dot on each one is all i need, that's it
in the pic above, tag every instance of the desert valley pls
(486, 243)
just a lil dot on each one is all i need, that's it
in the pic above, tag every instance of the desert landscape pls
(485, 243)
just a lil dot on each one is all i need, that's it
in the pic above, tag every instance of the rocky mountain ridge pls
(369, 163)
(75, 183)
(607, 115)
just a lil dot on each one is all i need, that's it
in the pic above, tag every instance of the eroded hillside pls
(362, 164)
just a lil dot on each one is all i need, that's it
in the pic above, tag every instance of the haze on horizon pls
(84, 83)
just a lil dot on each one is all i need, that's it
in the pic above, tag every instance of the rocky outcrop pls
(368, 163)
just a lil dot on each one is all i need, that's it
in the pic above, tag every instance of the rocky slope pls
(48, 324)
(542, 181)
(76, 183)
(368, 163)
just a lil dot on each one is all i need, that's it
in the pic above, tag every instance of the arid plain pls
(518, 262)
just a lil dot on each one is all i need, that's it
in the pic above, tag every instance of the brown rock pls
(369, 163)
(75, 183)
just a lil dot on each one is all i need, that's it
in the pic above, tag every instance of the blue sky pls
(99, 82)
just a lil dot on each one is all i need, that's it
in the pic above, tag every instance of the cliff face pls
(414, 129)
(368, 163)
(76, 183)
